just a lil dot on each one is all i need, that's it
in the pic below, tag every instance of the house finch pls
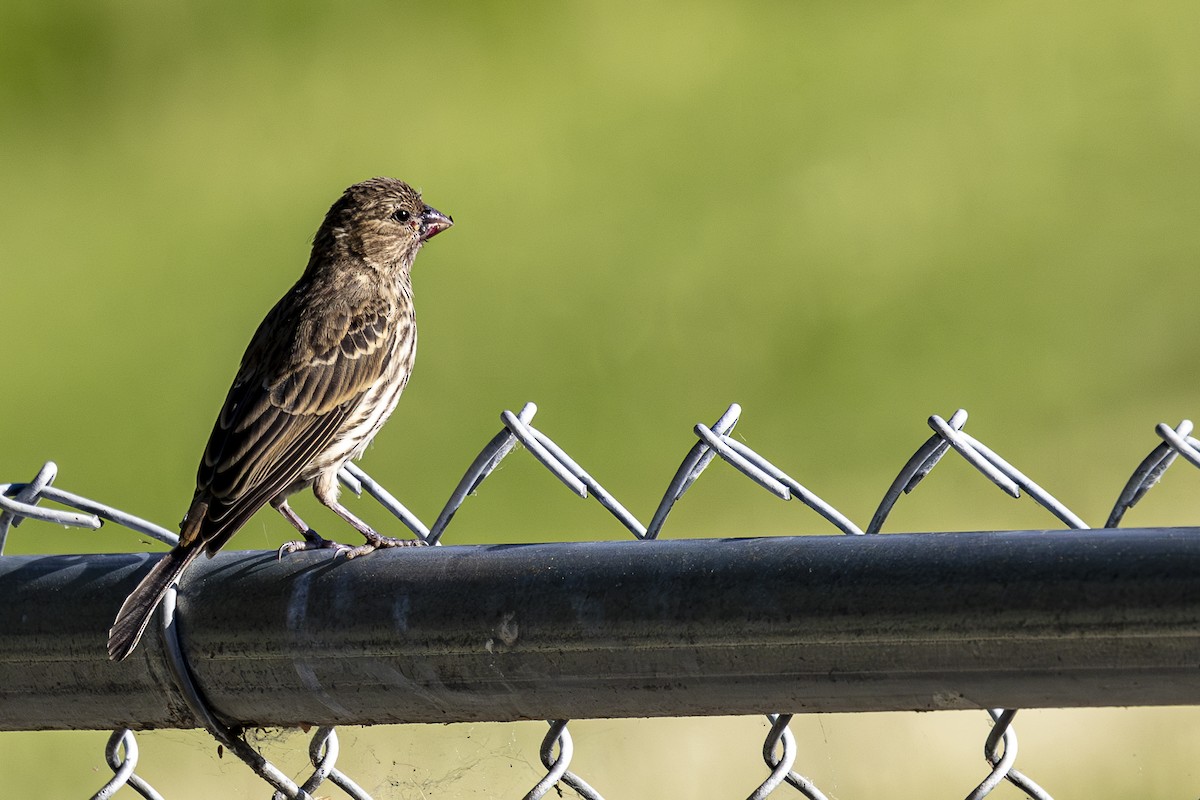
(318, 380)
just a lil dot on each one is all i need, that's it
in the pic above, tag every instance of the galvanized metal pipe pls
(619, 629)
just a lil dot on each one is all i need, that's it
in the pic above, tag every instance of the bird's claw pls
(377, 542)
(312, 541)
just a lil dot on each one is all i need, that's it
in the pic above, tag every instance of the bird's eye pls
(402, 215)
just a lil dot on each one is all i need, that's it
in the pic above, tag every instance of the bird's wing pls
(303, 374)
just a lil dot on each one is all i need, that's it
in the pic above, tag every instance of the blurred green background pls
(844, 216)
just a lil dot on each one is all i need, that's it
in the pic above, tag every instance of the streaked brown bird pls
(318, 380)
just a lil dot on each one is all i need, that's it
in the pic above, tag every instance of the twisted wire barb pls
(22, 497)
(949, 434)
(694, 463)
(915, 470)
(1176, 441)
(487, 460)
(19, 501)
(831, 514)
(563, 463)
(123, 768)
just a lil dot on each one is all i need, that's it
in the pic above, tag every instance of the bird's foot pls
(377, 542)
(314, 541)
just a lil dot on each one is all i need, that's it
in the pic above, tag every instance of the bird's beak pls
(433, 222)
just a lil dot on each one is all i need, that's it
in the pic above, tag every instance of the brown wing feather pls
(287, 404)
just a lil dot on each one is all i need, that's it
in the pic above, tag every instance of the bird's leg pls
(312, 539)
(327, 494)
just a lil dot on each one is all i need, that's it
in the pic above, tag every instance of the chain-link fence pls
(848, 622)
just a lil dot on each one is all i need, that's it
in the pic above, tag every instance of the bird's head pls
(382, 221)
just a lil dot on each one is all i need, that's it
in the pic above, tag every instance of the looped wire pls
(558, 735)
(323, 751)
(1002, 766)
(780, 735)
(123, 768)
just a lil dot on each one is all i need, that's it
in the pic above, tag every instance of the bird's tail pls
(135, 613)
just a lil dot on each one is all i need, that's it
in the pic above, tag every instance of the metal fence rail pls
(642, 628)
(620, 629)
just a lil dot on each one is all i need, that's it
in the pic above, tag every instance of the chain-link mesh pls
(20, 501)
